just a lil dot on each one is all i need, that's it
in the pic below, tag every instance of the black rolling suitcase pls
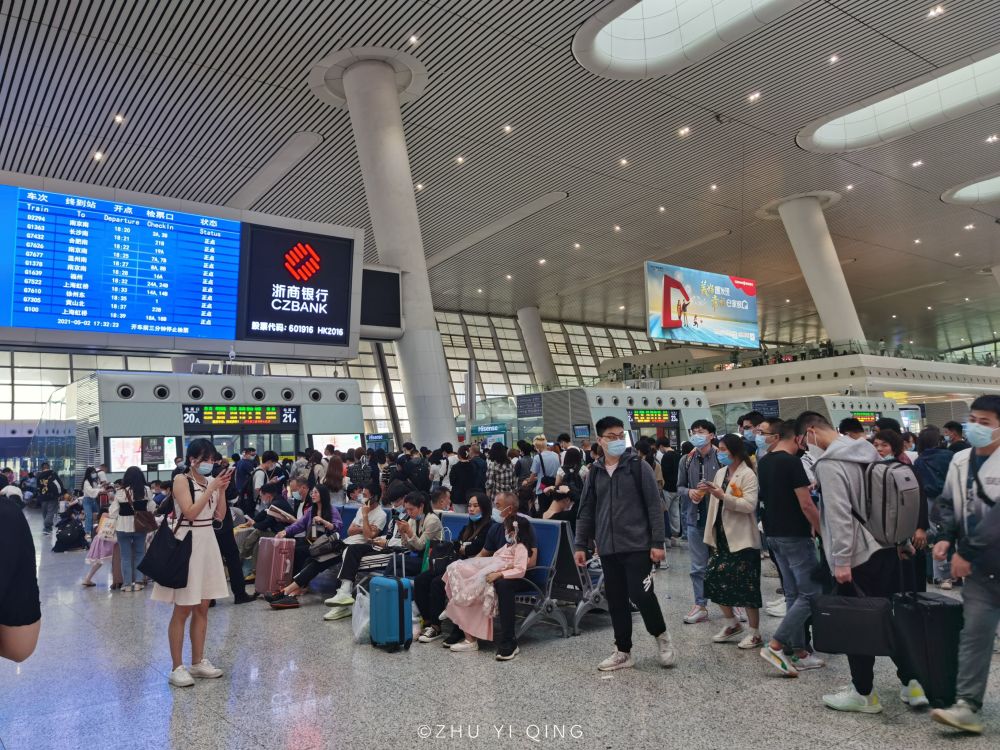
(927, 627)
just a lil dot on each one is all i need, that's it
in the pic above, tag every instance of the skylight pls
(969, 85)
(983, 190)
(630, 40)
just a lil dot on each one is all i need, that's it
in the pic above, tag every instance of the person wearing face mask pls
(748, 426)
(276, 515)
(889, 445)
(621, 512)
(859, 563)
(91, 489)
(699, 464)
(954, 438)
(968, 521)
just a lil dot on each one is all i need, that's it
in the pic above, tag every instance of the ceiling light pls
(541, 261)
(911, 342)
(623, 162)
(576, 245)
(662, 209)
(460, 160)
(621, 307)
(479, 291)
(958, 255)
(893, 317)
(970, 226)
(419, 186)
(714, 186)
(119, 119)
(936, 11)
(414, 40)
(787, 301)
(617, 228)
(508, 129)
(918, 163)
(929, 307)
(963, 338)
(753, 97)
(834, 59)
(916, 241)
(98, 156)
(684, 131)
(850, 187)
(509, 277)
(966, 299)
(993, 138)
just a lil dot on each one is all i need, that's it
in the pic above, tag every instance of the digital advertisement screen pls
(691, 306)
(153, 450)
(124, 452)
(226, 416)
(71, 263)
(341, 441)
(296, 286)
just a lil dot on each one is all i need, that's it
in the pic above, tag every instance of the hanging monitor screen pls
(652, 417)
(83, 264)
(687, 305)
(209, 417)
(296, 286)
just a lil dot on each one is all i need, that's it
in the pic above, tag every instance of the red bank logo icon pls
(302, 262)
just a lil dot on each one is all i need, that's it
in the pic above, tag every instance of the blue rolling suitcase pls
(391, 611)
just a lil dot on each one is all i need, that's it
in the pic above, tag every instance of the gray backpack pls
(890, 506)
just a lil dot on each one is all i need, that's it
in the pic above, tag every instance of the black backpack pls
(247, 501)
(49, 487)
(69, 535)
(420, 474)
(573, 480)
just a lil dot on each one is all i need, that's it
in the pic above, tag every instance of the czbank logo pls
(302, 262)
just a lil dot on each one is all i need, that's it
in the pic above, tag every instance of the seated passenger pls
(413, 525)
(428, 587)
(319, 519)
(472, 598)
(276, 515)
(441, 500)
(562, 507)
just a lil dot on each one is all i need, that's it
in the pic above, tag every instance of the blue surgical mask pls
(725, 459)
(206, 468)
(497, 515)
(748, 435)
(400, 512)
(475, 517)
(761, 442)
(419, 517)
(890, 457)
(617, 447)
(699, 441)
(978, 435)
(296, 495)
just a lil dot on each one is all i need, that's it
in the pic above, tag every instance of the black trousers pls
(231, 556)
(313, 568)
(879, 576)
(624, 577)
(351, 560)
(507, 589)
(430, 596)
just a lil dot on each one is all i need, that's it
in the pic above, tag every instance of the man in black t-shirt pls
(50, 489)
(790, 520)
(20, 612)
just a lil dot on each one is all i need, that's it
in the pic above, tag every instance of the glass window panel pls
(28, 411)
(496, 390)
(55, 360)
(27, 359)
(6, 394)
(160, 364)
(81, 374)
(110, 363)
(491, 377)
(5, 359)
(138, 364)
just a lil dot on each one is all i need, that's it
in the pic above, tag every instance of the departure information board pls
(652, 417)
(227, 416)
(82, 264)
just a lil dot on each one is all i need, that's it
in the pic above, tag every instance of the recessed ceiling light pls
(936, 11)
(714, 186)
(970, 226)
(414, 40)
(541, 261)
(834, 59)
(911, 341)
(662, 209)
(916, 241)
(460, 160)
(918, 163)
(753, 97)
(508, 129)
(98, 156)
(850, 187)
(617, 228)
(419, 186)
(684, 131)
(893, 317)
(119, 119)
(509, 277)
(621, 307)
(963, 338)
(993, 138)
(479, 291)
(929, 307)
(623, 162)
(966, 299)
(958, 255)
(576, 245)
(787, 301)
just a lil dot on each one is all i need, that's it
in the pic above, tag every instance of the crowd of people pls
(784, 490)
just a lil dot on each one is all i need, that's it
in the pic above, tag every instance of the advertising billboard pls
(697, 307)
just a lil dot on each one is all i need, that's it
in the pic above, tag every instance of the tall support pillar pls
(810, 237)
(372, 97)
(530, 322)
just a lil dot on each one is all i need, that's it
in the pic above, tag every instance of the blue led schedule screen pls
(296, 286)
(83, 264)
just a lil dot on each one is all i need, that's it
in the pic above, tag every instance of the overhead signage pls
(867, 418)
(227, 416)
(768, 408)
(153, 450)
(529, 405)
(692, 306)
(296, 286)
(489, 429)
(652, 417)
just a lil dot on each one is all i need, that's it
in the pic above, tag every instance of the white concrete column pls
(996, 273)
(373, 102)
(806, 227)
(530, 321)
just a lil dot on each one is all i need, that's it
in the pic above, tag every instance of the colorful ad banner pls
(690, 306)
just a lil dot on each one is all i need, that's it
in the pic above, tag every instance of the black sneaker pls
(506, 653)
(285, 602)
(273, 597)
(457, 636)
(246, 598)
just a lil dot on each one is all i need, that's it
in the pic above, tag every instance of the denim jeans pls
(91, 510)
(981, 600)
(133, 549)
(699, 563)
(795, 557)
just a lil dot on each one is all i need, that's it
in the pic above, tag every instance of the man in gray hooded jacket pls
(620, 510)
(861, 566)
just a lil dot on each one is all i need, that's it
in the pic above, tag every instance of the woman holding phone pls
(200, 503)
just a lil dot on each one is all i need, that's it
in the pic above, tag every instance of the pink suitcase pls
(275, 559)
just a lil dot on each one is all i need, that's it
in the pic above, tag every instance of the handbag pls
(326, 546)
(145, 521)
(856, 625)
(168, 557)
(439, 555)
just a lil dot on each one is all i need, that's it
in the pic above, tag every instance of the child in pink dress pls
(472, 599)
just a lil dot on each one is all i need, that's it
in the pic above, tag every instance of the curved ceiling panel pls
(979, 191)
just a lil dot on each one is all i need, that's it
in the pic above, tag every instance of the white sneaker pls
(337, 613)
(774, 602)
(779, 661)
(180, 677)
(205, 670)
(430, 634)
(729, 634)
(464, 645)
(946, 585)
(778, 610)
(913, 695)
(340, 600)
(960, 716)
(850, 699)
(811, 661)
(666, 648)
(740, 614)
(616, 661)
(696, 615)
(753, 640)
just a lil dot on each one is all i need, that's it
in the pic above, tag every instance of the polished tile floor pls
(98, 681)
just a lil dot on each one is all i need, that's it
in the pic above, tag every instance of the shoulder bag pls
(168, 558)
(145, 521)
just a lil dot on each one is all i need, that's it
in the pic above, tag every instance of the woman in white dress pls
(201, 500)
